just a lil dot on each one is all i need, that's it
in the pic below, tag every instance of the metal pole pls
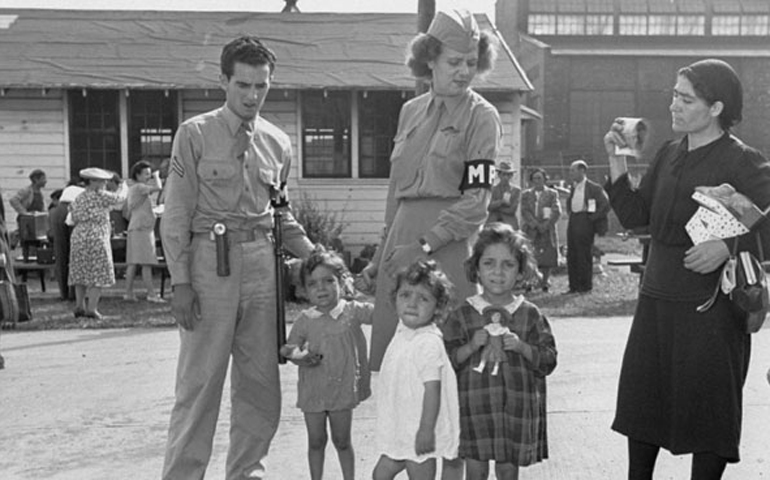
(426, 9)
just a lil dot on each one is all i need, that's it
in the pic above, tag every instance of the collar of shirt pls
(451, 104)
(234, 122)
(410, 333)
(335, 312)
(479, 303)
(580, 184)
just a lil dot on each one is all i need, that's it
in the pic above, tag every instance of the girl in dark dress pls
(681, 382)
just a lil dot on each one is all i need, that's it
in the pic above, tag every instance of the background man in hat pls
(588, 206)
(226, 165)
(505, 197)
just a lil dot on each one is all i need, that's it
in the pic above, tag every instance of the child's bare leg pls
(476, 470)
(316, 443)
(340, 422)
(507, 471)
(452, 469)
(387, 468)
(421, 471)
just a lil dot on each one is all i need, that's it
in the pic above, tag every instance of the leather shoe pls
(95, 315)
(79, 312)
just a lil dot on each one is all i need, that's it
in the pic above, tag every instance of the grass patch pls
(614, 294)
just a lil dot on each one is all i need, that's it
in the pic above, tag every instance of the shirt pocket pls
(215, 172)
(219, 185)
(447, 143)
(269, 176)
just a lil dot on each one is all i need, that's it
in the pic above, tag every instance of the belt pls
(237, 236)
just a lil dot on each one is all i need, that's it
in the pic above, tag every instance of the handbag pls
(9, 306)
(743, 280)
(22, 298)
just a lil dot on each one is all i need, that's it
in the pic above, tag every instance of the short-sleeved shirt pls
(414, 357)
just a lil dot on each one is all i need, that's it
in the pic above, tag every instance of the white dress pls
(415, 356)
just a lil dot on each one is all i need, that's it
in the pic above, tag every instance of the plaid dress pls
(503, 416)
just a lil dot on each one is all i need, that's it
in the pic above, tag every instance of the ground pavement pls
(94, 405)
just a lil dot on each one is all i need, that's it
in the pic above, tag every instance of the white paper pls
(712, 221)
(591, 205)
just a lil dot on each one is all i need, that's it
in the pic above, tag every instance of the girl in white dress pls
(417, 405)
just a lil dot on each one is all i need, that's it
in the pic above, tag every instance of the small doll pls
(493, 351)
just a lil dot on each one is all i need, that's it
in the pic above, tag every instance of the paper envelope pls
(712, 220)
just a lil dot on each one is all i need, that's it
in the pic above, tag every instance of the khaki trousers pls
(238, 321)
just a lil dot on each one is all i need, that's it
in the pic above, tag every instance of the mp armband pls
(279, 196)
(478, 174)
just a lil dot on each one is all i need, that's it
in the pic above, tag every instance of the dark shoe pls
(95, 315)
(570, 292)
(546, 288)
(79, 312)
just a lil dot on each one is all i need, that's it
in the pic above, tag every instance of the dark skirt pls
(681, 382)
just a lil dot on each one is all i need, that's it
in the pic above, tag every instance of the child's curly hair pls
(429, 274)
(323, 258)
(517, 242)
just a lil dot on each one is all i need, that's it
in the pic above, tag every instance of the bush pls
(322, 226)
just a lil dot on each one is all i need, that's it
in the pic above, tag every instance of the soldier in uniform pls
(226, 166)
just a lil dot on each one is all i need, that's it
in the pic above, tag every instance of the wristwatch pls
(425, 246)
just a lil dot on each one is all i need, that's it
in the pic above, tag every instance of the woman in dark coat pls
(681, 382)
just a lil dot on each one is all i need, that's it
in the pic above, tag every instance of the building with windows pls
(593, 60)
(108, 88)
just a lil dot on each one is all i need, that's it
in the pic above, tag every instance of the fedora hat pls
(505, 167)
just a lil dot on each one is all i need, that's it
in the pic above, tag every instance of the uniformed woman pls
(441, 166)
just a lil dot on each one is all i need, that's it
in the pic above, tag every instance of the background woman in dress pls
(91, 266)
(681, 382)
(540, 210)
(434, 206)
(140, 247)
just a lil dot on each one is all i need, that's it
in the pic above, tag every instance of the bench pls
(635, 264)
(23, 268)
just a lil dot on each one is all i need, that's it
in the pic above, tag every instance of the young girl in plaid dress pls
(502, 410)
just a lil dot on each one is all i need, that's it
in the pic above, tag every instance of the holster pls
(219, 230)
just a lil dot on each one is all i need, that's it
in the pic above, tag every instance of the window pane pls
(326, 135)
(543, 6)
(691, 25)
(151, 125)
(633, 25)
(604, 6)
(377, 123)
(572, 6)
(754, 25)
(542, 24)
(662, 25)
(570, 25)
(726, 25)
(94, 130)
(633, 6)
(599, 25)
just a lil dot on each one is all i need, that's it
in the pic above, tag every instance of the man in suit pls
(588, 206)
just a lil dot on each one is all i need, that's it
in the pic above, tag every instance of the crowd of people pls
(83, 220)
(462, 355)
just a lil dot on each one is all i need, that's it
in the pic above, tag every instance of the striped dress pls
(503, 416)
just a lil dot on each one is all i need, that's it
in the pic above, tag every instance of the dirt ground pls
(95, 404)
